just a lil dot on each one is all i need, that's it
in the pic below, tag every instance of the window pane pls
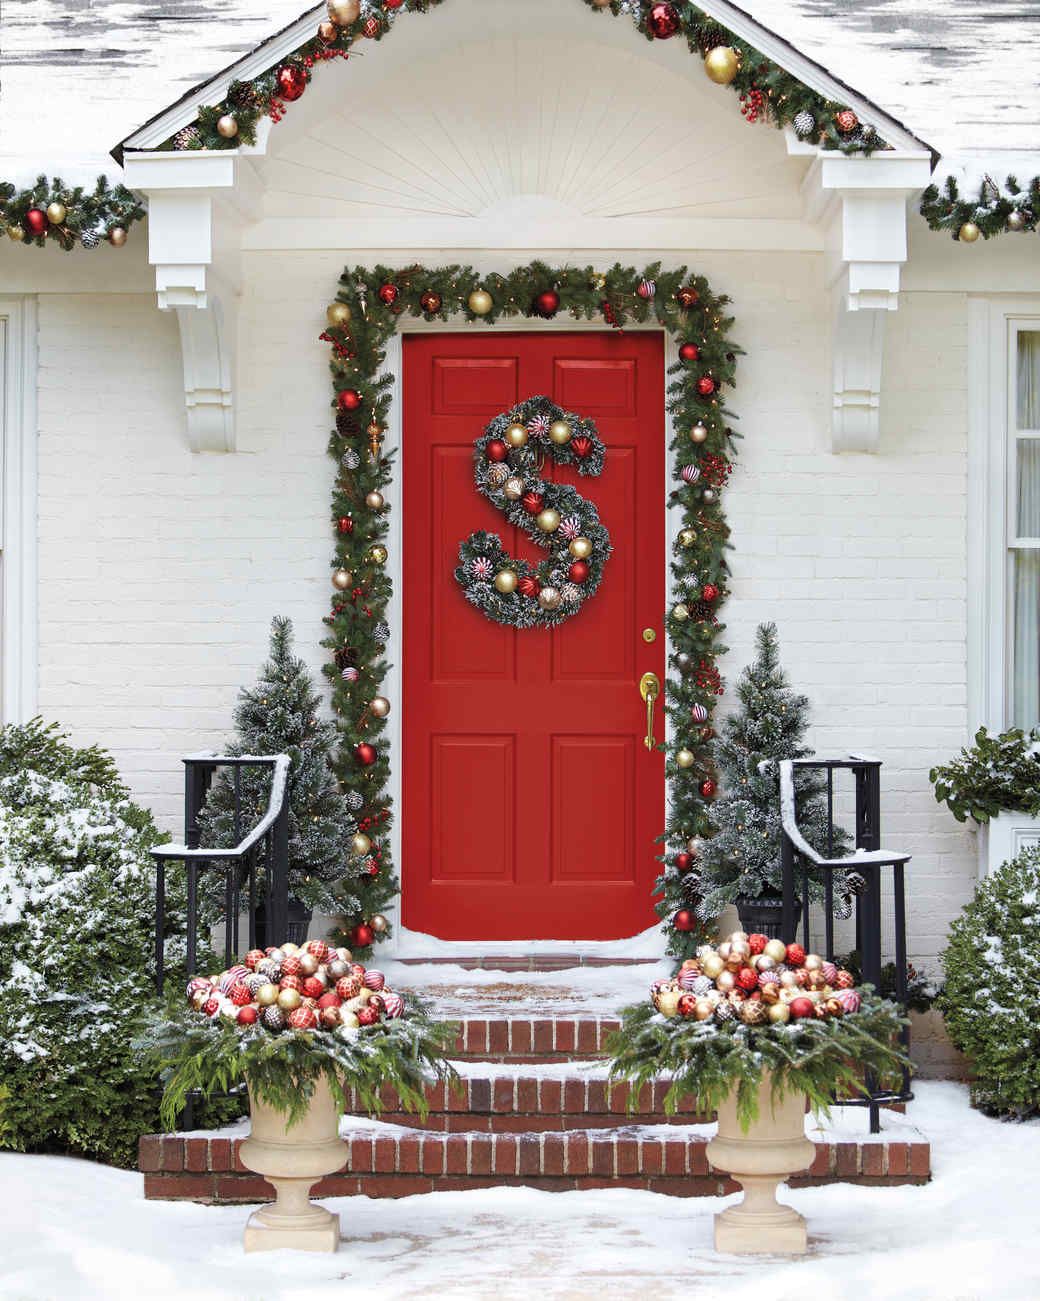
(1029, 379)
(1025, 687)
(1028, 518)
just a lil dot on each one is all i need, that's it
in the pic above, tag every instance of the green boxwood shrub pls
(992, 997)
(76, 950)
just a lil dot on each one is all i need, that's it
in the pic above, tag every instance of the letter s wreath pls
(507, 461)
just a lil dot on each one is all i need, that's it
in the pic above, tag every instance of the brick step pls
(397, 1163)
(512, 1099)
(534, 1039)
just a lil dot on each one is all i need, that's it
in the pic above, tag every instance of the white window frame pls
(19, 613)
(994, 324)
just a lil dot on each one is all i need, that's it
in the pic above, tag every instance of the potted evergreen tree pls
(279, 715)
(740, 863)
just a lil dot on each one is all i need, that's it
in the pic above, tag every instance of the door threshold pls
(529, 962)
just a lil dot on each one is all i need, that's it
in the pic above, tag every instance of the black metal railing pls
(862, 873)
(262, 853)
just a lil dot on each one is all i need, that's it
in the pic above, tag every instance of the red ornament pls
(345, 524)
(706, 386)
(496, 450)
(292, 81)
(529, 587)
(663, 21)
(684, 920)
(389, 294)
(303, 1018)
(578, 571)
(362, 936)
(581, 446)
(710, 592)
(689, 352)
(708, 788)
(795, 955)
(687, 297)
(253, 957)
(371, 27)
(368, 1015)
(240, 995)
(348, 987)
(392, 4)
(687, 1005)
(318, 949)
(430, 302)
(365, 754)
(684, 861)
(291, 965)
(35, 221)
(247, 1015)
(532, 502)
(757, 942)
(291, 982)
(846, 121)
(802, 1007)
(313, 987)
(844, 980)
(331, 999)
(747, 979)
(547, 304)
(211, 1007)
(348, 400)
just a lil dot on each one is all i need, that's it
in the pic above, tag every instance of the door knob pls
(649, 689)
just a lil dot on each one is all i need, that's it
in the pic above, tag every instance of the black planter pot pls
(296, 930)
(764, 915)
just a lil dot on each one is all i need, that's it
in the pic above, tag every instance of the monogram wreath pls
(507, 462)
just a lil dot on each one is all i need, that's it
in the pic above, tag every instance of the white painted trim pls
(19, 603)
(991, 322)
(405, 942)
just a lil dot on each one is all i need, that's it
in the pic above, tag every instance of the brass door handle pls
(649, 689)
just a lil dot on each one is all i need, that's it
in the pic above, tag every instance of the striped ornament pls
(374, 980)
(690, 473)
(393, 1005)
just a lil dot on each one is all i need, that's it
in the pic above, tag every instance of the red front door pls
(530, 804)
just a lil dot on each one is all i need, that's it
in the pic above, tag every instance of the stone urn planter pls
(292, 1159)
(759, 1159)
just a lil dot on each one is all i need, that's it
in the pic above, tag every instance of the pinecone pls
(724, 1012)
(347, 423)
(804, 124)
(243, 94)
(90, 238)
(856, 882)
(354, 801)
(706, 36)
(350, 459)
(188, 137)
(381, 632)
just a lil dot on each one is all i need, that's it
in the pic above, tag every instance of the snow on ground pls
(75, 1230)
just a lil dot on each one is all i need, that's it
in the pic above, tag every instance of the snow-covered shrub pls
(76, 949)
(992, 997)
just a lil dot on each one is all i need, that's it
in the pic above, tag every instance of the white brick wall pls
(160, 569)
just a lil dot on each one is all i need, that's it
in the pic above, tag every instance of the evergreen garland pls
(993, 213)
(84, 217)
(701, 444)
(767, 92)
(821, 1058)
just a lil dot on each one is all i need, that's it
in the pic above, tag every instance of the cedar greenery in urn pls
(298, 1026)
(753, 1029)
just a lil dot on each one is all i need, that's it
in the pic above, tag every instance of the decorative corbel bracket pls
(191, 280)
(862, 203)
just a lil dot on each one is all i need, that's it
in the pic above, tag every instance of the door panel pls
(530, 804)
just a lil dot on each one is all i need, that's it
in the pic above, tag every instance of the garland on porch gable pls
(768, 93)
(361, 321)
(994, 212)
(69, 214)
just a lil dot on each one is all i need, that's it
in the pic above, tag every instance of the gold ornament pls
(505, 581)
(780, 1013)
(56, 213)
(601, 4)
(378, 923)
(378, 554)
(684, 758)
(117, 236)
(516, 435)
(327, 32)
(699, 432)
(337, 314)
(379, 706)
(308, 964)
(227, 126)
(348, 1021)
(513, 489)
(580, 548)
(560, 432)
(360, 845)
(680, 612)
(712, 966)
(549, 520)
(375, 500)
(968, 233)
(667, 1001)
(344, 12)
(770, 992)
(480, 302)
(687, 538)
(1016, 221)
(289, 999)
(549, 598)
(16, 233)
(267, 995)
(726, 980)
(813, 962)
(722, 64)
(703, 1009)
(775, 949)
(599, 282)
(342, 579)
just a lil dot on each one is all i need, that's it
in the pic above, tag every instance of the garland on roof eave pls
(994, 212)
(768, 93)
(68, 214)
(361, 321)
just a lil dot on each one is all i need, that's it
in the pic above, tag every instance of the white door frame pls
(19, 597)
(413, 944)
